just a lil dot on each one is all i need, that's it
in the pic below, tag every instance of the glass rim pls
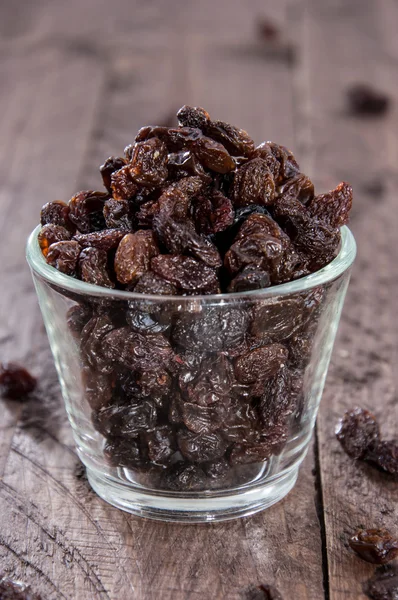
(330, 272)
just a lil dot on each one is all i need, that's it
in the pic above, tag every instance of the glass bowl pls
(193, 408)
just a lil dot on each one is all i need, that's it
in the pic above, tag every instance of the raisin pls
(201, 448)
(299, 187)
(235, 140)
(300, 349)
(133, 256)
(288, 166)
(277, 319)
(185, 477)
(86, 211)
(384, 456)
(250, 278)
(253, 184)
(16, 590)
(92, 337)
(150, 283)
(184, 164)
(92, 267)
(122, 184)
(261, 363)
(276, 403)
(124, 453)
(213, 330)
(364, 100)
(144, 322)
(186, 273)
(77, 317)
(63, 256)
(203, 419)
(384, 584)
(138, 416)
(98, 387)
(118, 214)
(15, 381)
(56, 213)
(112, 164)
(106, 240)
(213, 214)
(136, 351)
(51, 234)
(250, 453)
(210, 383)
(148, 164)
(376, 546)
(357, 432)
(217, 470)
(161, 445)
(193, 116)
(333, 207)
(213, 155)
(154, 384)
(262, 592)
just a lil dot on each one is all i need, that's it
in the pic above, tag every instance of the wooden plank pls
(346, 42)
(54, 531)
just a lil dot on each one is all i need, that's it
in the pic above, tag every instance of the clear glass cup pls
(192, 408)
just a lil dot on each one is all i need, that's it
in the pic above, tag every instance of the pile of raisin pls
(190, 397)
(359, 434)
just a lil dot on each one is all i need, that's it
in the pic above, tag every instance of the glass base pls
(228, 504)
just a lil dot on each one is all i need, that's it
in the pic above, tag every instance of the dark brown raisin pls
(118, 214)
(57, 213)
(250, 278)
(122, 184)
(366, 101)
(376, 546)
(333, 207)
(253, 184)
(213, 213)
(201, 448)
(185, 477)
(124, 453)
(63, 256)
(150, 283)
(15, 381)
(92, 267)
(51, 234)
(261, 363)
(262, 592)
(277, 319)
(86, 210)
(112, 164)
(98, 387)
(188, 274)
(103, 240)
(77, 317)
(161, 444)
(184, 164)
(384, 456)
(384, 584)
(357, 432)
(148, 164)
(133, 256)
(16, 590)
(136, 351)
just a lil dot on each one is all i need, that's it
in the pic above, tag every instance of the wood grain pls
(350, 39)
(76, 85)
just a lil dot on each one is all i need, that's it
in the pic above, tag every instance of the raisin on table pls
(384, 584)
(384, 456)
(357, 431)
(15, 381)
(376, 546)
(262, 592)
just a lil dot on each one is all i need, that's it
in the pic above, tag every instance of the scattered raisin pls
(376, 546)
(15, 381)
(384, 584)
(364, 100)
(357, 431)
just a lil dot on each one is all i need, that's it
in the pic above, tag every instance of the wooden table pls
(77, 80)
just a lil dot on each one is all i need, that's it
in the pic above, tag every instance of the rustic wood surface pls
(77, 79)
